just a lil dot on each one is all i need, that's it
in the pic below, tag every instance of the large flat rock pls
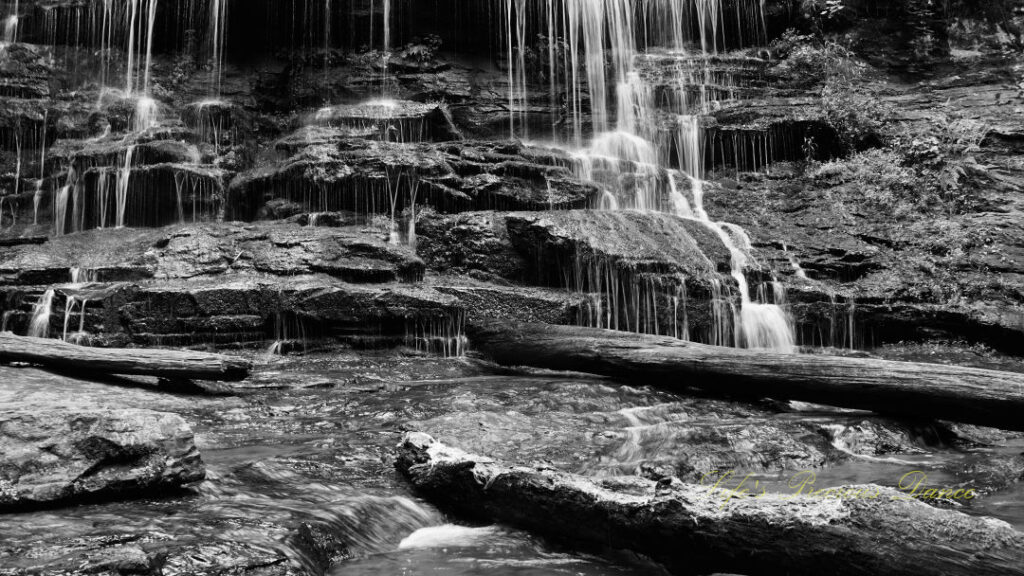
(67, 456)
(372, 177)
(207, 250)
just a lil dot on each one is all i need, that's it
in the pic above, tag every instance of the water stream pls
(305, 453)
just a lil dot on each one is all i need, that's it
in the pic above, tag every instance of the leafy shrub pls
(915, 175)
(946, 164)
(809, 62)
(880, 180)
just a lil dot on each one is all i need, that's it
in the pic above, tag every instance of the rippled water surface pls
(300, 469)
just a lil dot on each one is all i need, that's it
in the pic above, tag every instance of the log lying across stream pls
(870, 531)
(909, 389)
(170, 364)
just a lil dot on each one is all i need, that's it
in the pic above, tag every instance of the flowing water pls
(39, 325)
(606, 41)
(303, 451)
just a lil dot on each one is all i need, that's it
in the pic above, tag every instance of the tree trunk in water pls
(970, 395)
(172, 364)
(870, 531)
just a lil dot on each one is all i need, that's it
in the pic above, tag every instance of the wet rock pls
(658, 243)
(24, 71)
(106, 554)
(672, 265)
(485, 300)
(210, 249)
(392, 120)
(217, 121)
(370, 177)
(239, 311)
(312, 136)
(473, 242)
(60, 457)
(540, 247)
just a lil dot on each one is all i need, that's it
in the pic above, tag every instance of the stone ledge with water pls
(342, 191)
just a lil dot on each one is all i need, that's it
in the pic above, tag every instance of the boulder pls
(59, 457)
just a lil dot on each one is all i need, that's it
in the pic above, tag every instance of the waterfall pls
(39, 326)
(140, 42)
(82, 275)
(37, 199)
(69, 308)
(10, 30)
(123, 179)
(38, 196)
(218, 34)
(146, 112)
(760, 325)
(10, 27)
(605, 40)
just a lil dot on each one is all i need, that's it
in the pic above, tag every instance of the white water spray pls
(39, 326)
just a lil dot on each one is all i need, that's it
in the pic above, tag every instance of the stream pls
(300, 470)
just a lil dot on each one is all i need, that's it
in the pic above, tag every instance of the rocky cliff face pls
(280, 189)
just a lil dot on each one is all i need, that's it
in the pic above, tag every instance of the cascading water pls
(10, 26)
(123, 188)
(604, 41)
(218, 35)
(10, 30)
(39, 326)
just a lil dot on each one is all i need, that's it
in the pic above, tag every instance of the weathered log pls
(171, 364)
(909, 389)
(694, 529)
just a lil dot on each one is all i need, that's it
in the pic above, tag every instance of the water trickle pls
(39, 326)
(10, 33)
(146, 114)
(37, 199)
(69, 308)
(123, 179)
(445, 335)
(81, 276)
(759, 325)
(218, 35)
(141, 19)
(680, 205)
(798, 270)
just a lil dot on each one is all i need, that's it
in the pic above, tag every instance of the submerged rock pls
(58, 457)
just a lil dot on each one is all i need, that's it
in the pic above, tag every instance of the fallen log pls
(909, 389)
(171, 364)
(694, 529)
